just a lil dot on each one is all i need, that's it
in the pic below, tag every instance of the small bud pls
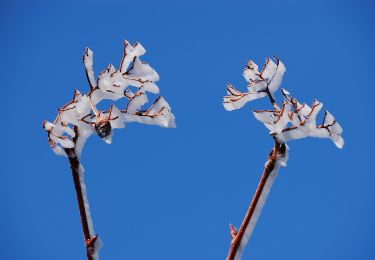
(233, 231)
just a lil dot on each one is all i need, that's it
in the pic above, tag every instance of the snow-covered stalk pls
(92, 241)
(290, 121)
(240, 237)
(80, 118)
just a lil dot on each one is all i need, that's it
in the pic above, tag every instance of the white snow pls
(88, 62)
(269, 69)
(97, 246)
(57, 137)
(83, 106)
(130, 52)
(138, 100)
(57, 149)
(270, 77)
(109, 89)
(275, 121)
(108, 138)
(266, 117)
(111, 84)
(301, 122)
(275, 81)
(143, 71)
(117, 118)
(84, 132)
(304, 123)
(81, 174)
(255, 86)
(251, 72)
(96, 96)
(236, 100)
(150, 87)
(158, 114)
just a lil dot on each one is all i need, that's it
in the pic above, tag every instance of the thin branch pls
(238, 240)
(89, 240)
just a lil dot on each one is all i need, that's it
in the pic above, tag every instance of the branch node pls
(233, 231)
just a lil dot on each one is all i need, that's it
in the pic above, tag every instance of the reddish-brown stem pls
(278, 150)
(89, 240)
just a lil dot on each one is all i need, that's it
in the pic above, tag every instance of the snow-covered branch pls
(80, 118)
(277, 157)
(290, 121)
(129, 83)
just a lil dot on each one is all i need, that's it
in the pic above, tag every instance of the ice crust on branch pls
(80, 118)
(294, 120)
(290, 121)
(281, 160)
(268, 79)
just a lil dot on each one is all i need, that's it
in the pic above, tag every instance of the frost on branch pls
(80, 118)
(293, 120)
(267, 81)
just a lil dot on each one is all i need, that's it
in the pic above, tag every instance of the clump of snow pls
(274, 120)
(235, 99)
(269, 79)
(294, 120)
(97, 246)
(159, 114)
(77, 119)
(143, 71)
(88, 62)
(136, 101)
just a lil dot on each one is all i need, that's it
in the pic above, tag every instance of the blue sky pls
(178, 203)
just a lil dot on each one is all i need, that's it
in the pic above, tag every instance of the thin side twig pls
(239, 239)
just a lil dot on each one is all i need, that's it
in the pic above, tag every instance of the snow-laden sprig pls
(80, 118)
(293, 120)
(260, 84)
(290, 121)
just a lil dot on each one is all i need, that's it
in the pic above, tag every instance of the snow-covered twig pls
(277, 157)
(292, 121)
(79, 119)
(92, 241)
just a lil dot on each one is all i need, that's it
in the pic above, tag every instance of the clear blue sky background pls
(170, 193)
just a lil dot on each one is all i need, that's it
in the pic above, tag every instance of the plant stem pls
(89, 240)
(239, 239)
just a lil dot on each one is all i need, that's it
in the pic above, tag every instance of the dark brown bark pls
(278, 150)
(89, 240)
